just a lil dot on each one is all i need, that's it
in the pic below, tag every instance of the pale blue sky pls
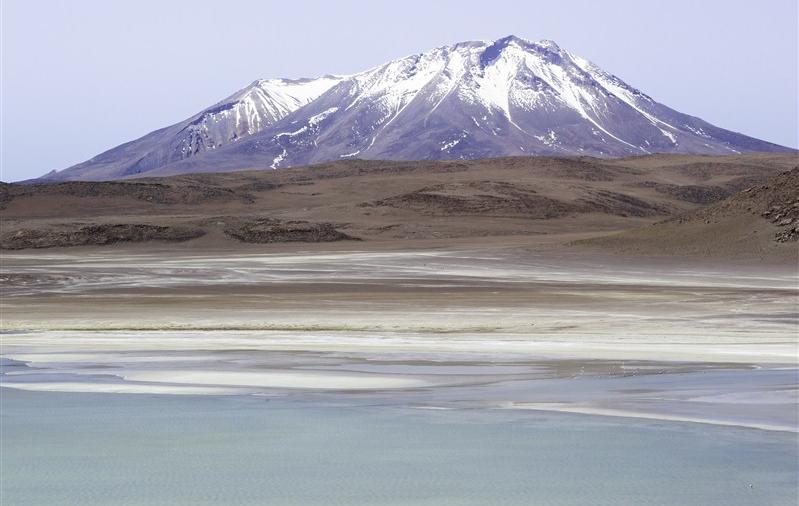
(82, 76)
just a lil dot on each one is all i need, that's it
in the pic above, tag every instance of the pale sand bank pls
(275, 379)
(598, 411)
(726, 346)
(118, 388)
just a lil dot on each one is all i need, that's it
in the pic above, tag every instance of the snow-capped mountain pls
(469, 100)
(242, 114)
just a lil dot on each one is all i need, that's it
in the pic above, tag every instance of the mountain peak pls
(527, 43)
(512, 38)
(495, 48)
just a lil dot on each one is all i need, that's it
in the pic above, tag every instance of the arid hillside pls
(375, 201)
(760, 220)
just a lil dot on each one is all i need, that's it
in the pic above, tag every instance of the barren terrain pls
(538, 200)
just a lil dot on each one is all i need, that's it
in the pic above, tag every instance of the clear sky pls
(82, 76)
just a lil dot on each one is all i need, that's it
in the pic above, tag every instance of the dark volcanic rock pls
(783, 209)
(267, 230)
(86, 235)
(152, 192)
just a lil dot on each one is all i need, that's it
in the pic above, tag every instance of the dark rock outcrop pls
(266, 230)
(95, 235)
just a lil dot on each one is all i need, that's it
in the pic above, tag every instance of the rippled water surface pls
(106, 449)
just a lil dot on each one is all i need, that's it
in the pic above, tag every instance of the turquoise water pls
(105, 449)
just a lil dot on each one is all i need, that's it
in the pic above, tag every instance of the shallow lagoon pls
(109, 449)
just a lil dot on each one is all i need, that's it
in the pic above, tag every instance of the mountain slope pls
(244, 113)
(510, 97)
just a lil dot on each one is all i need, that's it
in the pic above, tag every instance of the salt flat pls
(472, 327)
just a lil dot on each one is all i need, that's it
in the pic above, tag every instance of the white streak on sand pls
(118, 388)
(590, 410)
(50, 347)
(271, 379)
(42, 359)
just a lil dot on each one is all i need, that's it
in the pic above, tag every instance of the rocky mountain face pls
(509, 97)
